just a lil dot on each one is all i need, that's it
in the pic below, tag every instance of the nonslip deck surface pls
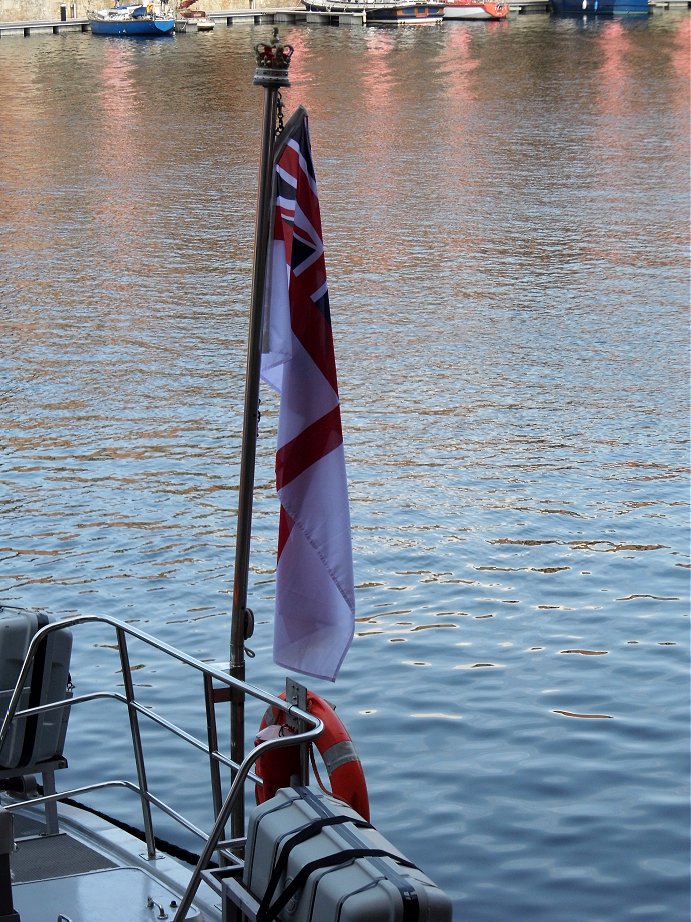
(54, 856)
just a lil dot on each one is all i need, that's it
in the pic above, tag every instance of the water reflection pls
(586, 716)
(506, 290)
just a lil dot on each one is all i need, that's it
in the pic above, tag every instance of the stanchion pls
(7, 913)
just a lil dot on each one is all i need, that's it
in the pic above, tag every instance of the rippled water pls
(505, 211)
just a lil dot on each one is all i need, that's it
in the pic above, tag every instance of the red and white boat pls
(476, 9)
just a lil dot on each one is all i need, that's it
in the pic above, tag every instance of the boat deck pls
(76, 864)
(104, 879)
(40, 857)
(117, 895)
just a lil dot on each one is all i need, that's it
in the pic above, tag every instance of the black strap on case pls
(268, 911)
(37, 676)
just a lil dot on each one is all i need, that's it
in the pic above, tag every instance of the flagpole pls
(271, 74)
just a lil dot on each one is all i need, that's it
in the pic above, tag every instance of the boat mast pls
(271, 74)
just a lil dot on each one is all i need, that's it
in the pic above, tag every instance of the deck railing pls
(218, 687)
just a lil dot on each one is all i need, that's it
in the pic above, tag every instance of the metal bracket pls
(296, 694)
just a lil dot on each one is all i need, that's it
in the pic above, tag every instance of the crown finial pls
(273, 61)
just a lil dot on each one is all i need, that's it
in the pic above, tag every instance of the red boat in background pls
(199, 17)
(476, 9)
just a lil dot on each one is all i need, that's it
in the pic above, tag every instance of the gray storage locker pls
(39, 738)
(311, 858)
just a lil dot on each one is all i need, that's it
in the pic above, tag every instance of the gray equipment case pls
(41, 737)
(311, 858)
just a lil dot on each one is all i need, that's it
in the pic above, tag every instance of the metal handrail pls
(240, 772)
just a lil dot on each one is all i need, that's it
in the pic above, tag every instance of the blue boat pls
(133, 20)
(599, 7)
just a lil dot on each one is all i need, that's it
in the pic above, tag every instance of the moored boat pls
(476, 9)
(134, 20)
(198, 17)
(378, 12)
(599, 7)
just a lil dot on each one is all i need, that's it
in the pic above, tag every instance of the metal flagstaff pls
(273, 61)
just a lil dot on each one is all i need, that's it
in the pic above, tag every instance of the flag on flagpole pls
(315, 598)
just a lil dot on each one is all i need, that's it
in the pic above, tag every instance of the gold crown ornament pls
(273, 62)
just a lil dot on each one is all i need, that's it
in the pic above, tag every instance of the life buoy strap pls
(339, 754)
(408, 893)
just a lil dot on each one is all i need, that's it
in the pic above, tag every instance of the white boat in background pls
(476, 9)
(304, 854)
(381, 12)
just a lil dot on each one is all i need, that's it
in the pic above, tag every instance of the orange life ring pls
(335, 746)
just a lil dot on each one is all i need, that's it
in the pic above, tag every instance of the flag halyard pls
(315, 599)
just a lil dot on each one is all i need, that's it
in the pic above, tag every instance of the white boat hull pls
(381, 12)
(490, 10)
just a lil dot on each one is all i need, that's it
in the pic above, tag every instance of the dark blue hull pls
(140, 28)
(599, 7)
